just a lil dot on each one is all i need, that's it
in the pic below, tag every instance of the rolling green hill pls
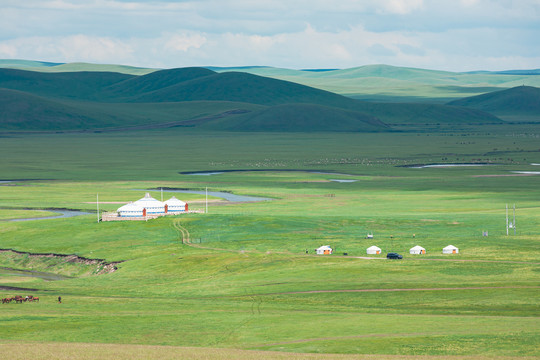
(369, 82)
(74, 85)
(243, 87)
(51, 67)
(23, 111)
(99, 100)
(301, 117)
(156, 81)
(520, 100)
(398, 84)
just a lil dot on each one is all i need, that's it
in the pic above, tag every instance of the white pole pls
(207, 200)
(514, 219)
(506, 219)
(97, 202)
(161, 194)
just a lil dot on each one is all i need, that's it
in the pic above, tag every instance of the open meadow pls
(243, 280)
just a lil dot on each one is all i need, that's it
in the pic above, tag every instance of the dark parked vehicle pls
(394, 256)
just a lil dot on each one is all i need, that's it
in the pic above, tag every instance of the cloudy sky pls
(456, 35)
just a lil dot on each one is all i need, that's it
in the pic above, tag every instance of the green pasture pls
(246, 282)
(162, 154)
(17, 214)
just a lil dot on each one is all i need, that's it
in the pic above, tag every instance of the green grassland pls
(245, 282)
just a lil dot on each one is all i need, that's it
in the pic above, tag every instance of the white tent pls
(417, 250)
(373, 250)
(324, 250)
(151, 205)
(450, 249)
(130, 210)
(174, 205)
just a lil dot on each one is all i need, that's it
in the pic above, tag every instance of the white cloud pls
(442, 34)
(401, 7)
(183, 42)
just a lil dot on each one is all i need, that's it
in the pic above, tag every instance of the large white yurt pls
(373, 250)
(450, 249)
(324, 250)
(175, 206)
(130, 210)
(151, 205)
(417, 250)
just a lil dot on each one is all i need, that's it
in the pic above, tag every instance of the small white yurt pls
(373, 250)
(131, 210)
(450, 249)
(151, 205)
(175, 206)
(417, 250)
(324, 250)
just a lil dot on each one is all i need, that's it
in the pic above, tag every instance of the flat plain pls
(245, 282)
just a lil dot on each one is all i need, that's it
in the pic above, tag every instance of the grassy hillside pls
(23, 111)
(27, 113)
(42, 66)
(75, 85)
(26, 64)
(391, 84)
(370, 82)
(243, 87)
(102, 99)
(157, 81)
(301, 117)
(521, 100)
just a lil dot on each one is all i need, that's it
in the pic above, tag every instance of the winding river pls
(224, 195)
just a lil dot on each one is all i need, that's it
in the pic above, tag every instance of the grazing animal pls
(35, 298)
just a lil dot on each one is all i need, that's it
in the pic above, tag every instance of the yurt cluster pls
(416, 250)
(375, 250)
(147, 208)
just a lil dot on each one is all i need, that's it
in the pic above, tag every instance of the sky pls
(453, 35)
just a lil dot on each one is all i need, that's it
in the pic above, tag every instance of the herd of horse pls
(19, 299)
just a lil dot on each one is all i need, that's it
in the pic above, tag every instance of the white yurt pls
(450, 249)
(151, 205)
(373, 250)
(324, 250)
(175, 206)
(417, 250)
(130, 210)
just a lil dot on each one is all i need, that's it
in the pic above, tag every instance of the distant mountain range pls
(229, 100)
(371, 82)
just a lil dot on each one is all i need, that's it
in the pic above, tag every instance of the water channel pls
(224, 195)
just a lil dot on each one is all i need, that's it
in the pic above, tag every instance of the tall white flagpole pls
(207, 200)
(514, 219)
(161, 194)
(97, 202)
(506, 219)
